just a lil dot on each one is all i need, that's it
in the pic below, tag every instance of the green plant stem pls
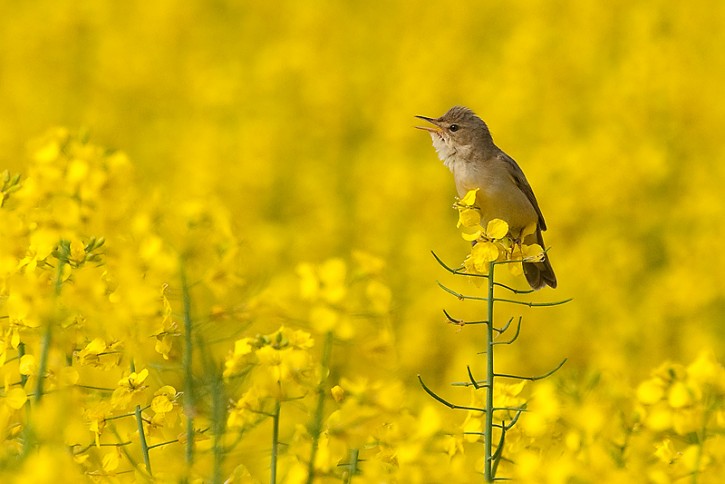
(188, 374)
(47, 336)
(142, 438)
(218, 401)
(275, 442)
(141, 433)
(488, 429)
(43, 362)
(354, 454)
(316, 427)
(21, 353)
(702, 436)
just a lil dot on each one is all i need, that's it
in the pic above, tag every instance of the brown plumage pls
(465, 146)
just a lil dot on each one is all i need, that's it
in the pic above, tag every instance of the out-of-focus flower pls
(129, 388)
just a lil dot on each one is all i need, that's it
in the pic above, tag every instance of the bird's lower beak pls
(433, 129)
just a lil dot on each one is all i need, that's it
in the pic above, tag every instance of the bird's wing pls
(518, 177)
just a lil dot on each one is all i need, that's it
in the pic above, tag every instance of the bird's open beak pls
(433, 129)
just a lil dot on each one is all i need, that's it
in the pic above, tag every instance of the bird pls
(464, 144)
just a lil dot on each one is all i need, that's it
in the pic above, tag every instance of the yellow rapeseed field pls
(216, 226)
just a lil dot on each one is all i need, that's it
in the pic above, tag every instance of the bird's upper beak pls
(433, 129)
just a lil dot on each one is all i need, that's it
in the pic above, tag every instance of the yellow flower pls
(332, 274)
(129, 388)
(298, 339)
(379, 296)
(135, 380)
(368, 264)
(706, 370)
(326, 281)
(497, 229)
(650, 391)
(167, 329)
(532, 253)
(77, 251)
(309, 283)
(89, 353)
(468, 200)
(473, 427)
(338, 393)
(694, 459)
(482, 254)
(323, 318)
(237, 360)
(679, 395)
(164, 399)
(15, 398)
(111, 461)
(27, 365)
(469, 217)
(665, 451)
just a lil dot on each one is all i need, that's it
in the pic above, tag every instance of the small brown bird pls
(465, 146)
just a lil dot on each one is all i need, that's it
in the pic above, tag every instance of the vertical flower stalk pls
(316, 426)
(492, 245)
(141, 432)
(188, 374)
(275, 442)
(352, 470)
(488, 428)
(62, 253)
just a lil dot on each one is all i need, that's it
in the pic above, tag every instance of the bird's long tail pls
(539, 274)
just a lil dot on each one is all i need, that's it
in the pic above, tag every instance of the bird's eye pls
(453, 127)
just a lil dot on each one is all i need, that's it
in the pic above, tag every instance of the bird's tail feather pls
(540, 274)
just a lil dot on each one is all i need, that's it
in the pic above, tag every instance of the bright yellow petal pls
(497, 229)
(532, 253)
(471, 233)
(323, 318)
(469, 199)
(110, 461)
(469, 217)
(95, 347)
(27, 365)
(528, 230)
(679, 396)
(16, 398)
(482, 254)
(242, 347)
(142, 375)
(650, 392)
(162, 404)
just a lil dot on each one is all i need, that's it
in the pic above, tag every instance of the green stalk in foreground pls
(316, 426)
(275, 442)
(488, 429)
(141, 433)
(188, 374)
(47, 334)
(493, 455)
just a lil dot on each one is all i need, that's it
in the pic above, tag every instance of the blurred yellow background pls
(298, 116)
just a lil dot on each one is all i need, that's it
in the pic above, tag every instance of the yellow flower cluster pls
(684, 407)
(133, 347)
(278, 367)
(493, 242)
(85, 276)
(666, 429)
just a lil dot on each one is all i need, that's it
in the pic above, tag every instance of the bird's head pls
(457, 134)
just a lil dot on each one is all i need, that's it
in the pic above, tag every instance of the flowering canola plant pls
(126, 355)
